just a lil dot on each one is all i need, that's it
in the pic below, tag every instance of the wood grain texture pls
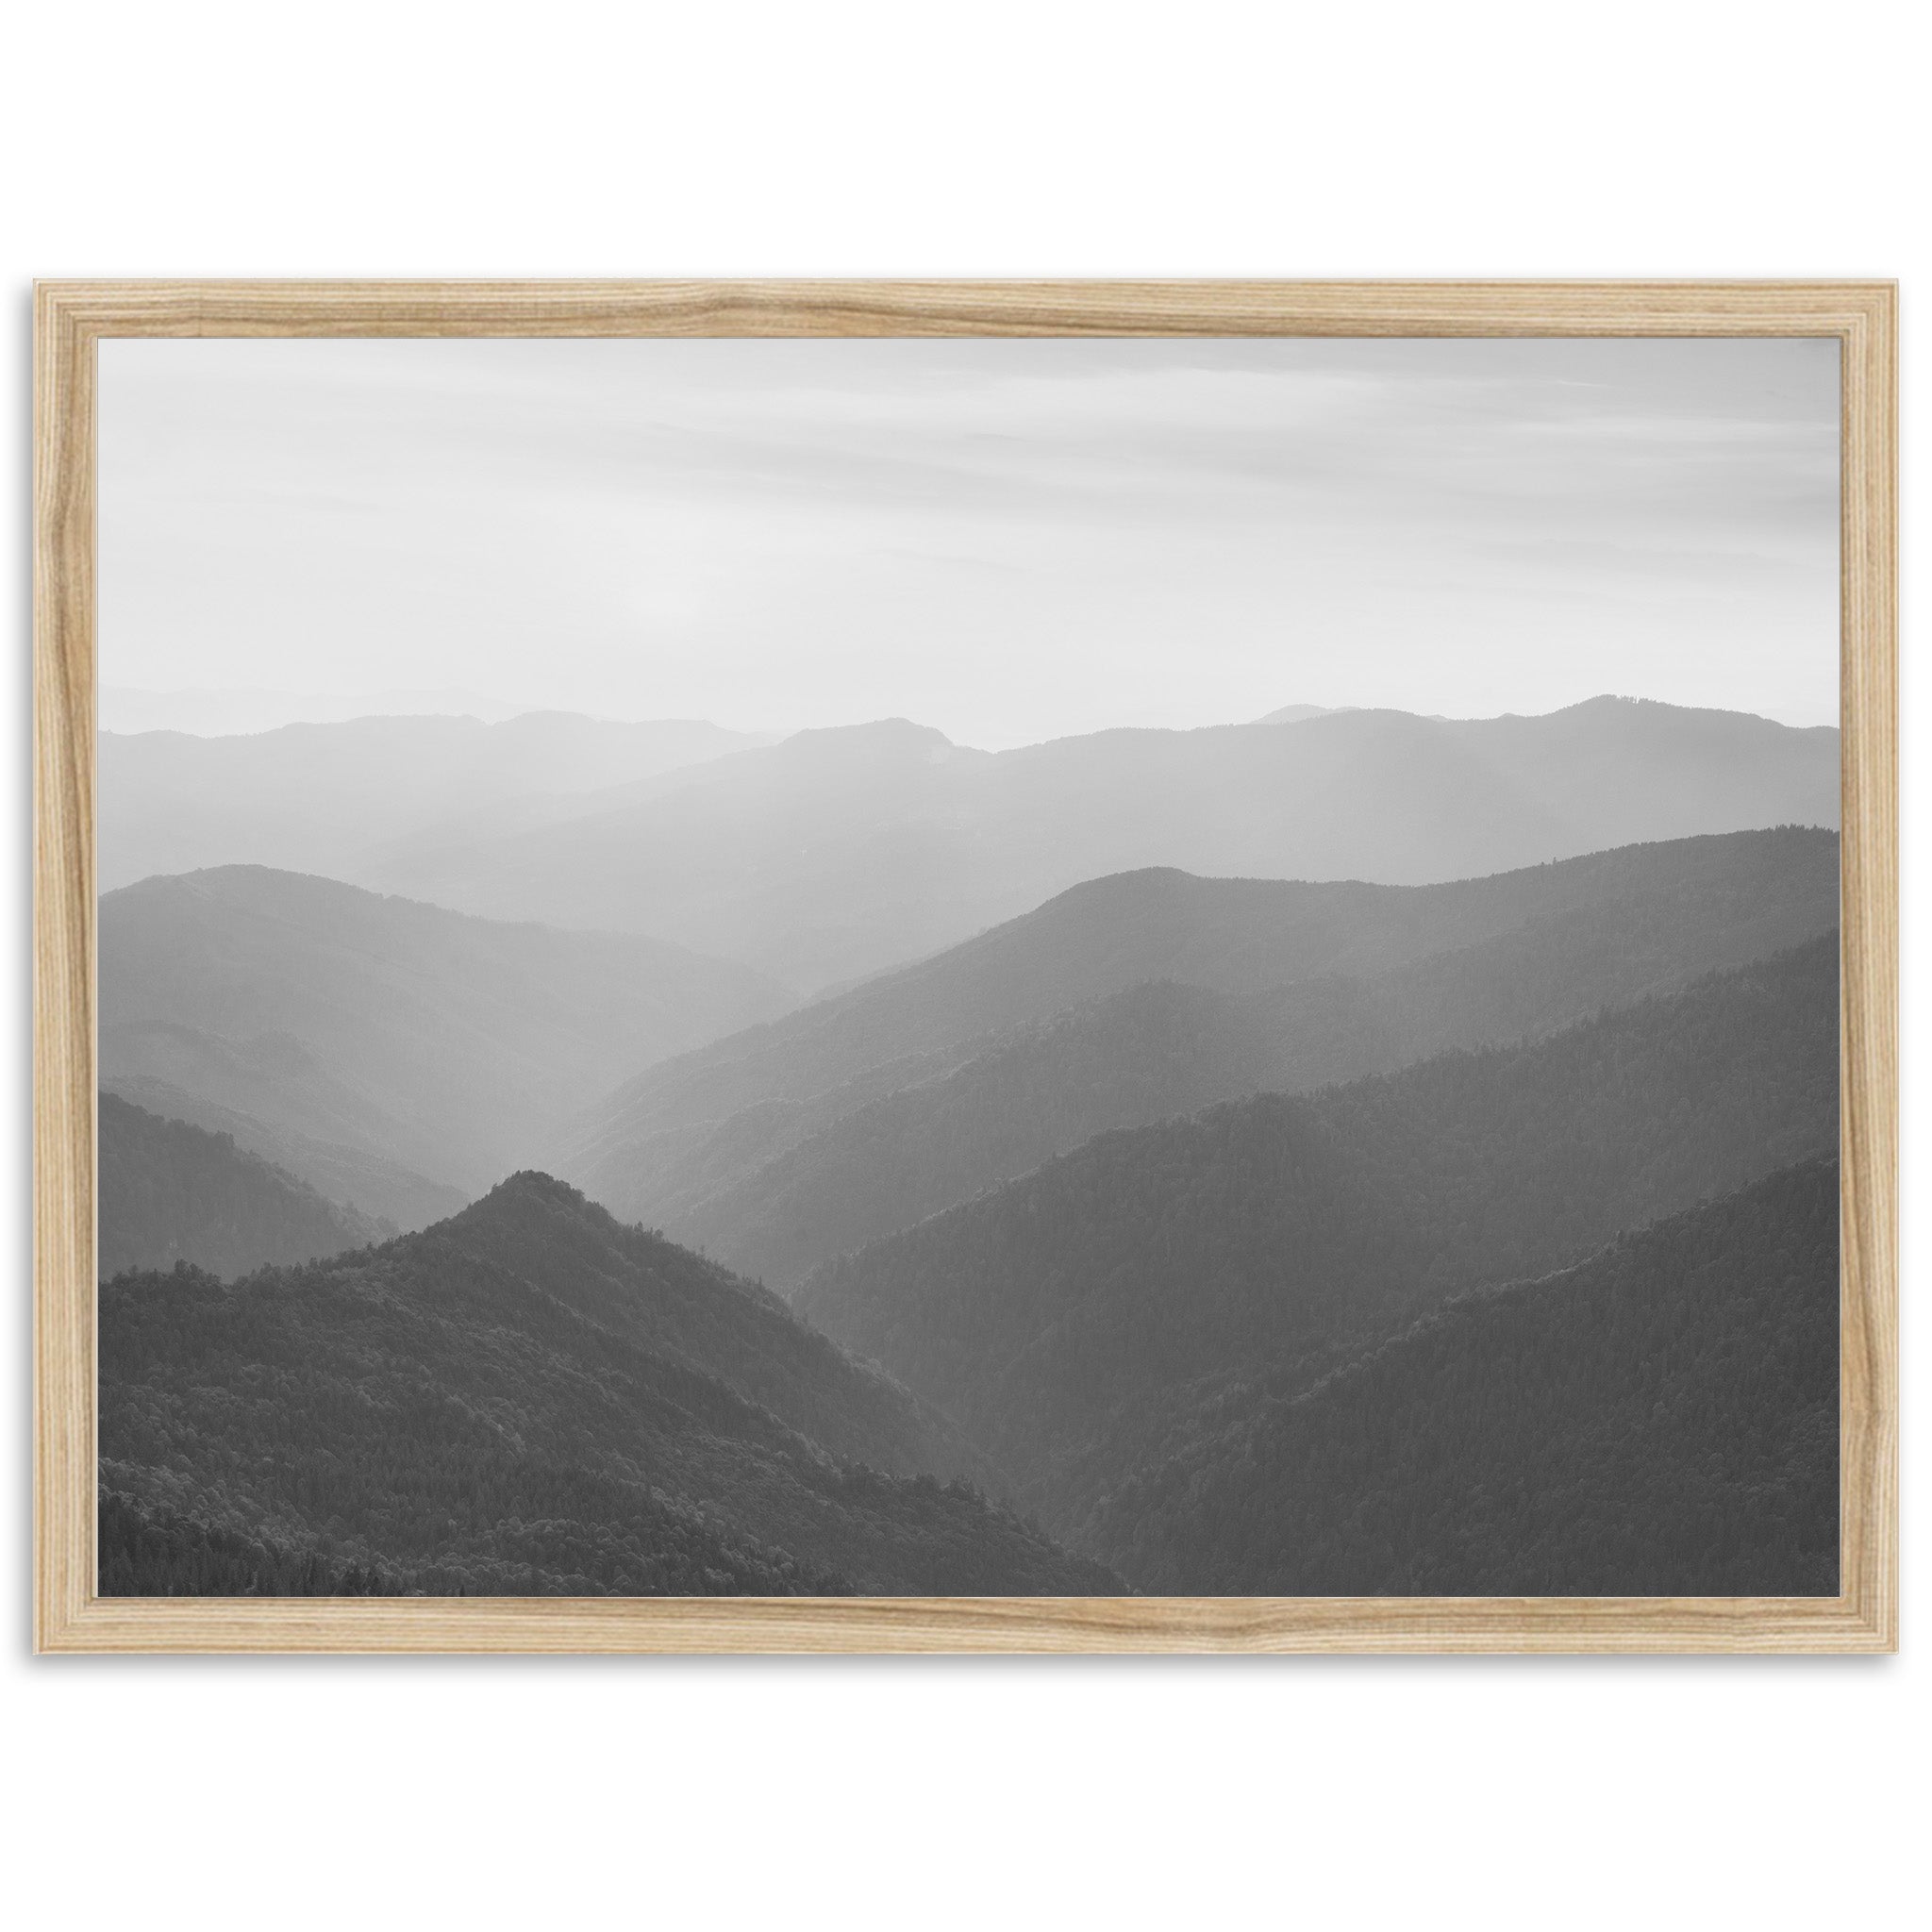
(71, 317)
(965, 308)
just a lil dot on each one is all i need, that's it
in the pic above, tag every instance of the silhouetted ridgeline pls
(1262, 1229)
(783, 1146)
(170, 1193)
(838, 853)
(1064, 1320)
(1660, 1420)
(526, 1399)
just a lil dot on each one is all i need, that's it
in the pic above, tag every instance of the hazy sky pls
(1008, 540)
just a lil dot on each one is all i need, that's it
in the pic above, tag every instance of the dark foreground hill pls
(444, 1047)
(840, 853)
(1148, 994)
(526, 1399)
(168, 1193)
(1066, 1319)
(1662, 1419)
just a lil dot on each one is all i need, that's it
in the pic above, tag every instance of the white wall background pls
(1007, 138)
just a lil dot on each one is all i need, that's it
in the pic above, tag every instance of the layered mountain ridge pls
(444, 1047)
(1348, 1152)
(172, 1192)
(1660, 1419)
(1149, 995)
(1066, 1319)
(314, 797)
(835, 854)
(529, 1399)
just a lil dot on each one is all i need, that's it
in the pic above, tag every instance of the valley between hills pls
(1349, 1153)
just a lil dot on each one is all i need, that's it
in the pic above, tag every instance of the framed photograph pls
(962, 966)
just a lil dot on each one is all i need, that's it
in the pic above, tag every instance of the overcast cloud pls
(1008, 540)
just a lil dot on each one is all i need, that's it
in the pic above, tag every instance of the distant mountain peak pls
(1296, 714)
(882, 737)
(1139, 880)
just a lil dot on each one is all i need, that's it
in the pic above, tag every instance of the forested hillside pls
(1062, 1320)
(526, 1399)
(1662, 1419)
(170, 1192)
(445, 1046)
(781, 1147)
(266, 1074)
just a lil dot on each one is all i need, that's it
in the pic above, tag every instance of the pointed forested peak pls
(615, 1412)
(530, 1201)
(533, 1184)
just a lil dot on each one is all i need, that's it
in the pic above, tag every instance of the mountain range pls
(442, 1049)
(315, 797)
(170, 1191)
(1660, 1420)
(526, 1399)
(1076, 1321)
(1347, 1153)
(836, 854)
(1149, 995)
(208, 713)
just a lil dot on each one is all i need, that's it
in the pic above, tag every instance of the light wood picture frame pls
(74, 317)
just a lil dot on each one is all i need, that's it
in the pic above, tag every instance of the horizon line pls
(774, 737)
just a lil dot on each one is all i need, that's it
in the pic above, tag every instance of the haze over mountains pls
(1148, 994)
(319, 797)
(1249, 1175)
(170, 1193)
(444, 1048)
(1059, 1318)
(837, 853)
(210, 713)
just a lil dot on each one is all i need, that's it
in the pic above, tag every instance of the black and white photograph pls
(967, 965)
(1085, 967)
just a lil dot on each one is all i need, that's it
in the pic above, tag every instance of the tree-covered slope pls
(782, 1147)
(527, 1398)
(168, 1193)
(229, 1080)
(1662, 1419)
(1026, 1095)
(447, 1045)
(1060, 1318)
